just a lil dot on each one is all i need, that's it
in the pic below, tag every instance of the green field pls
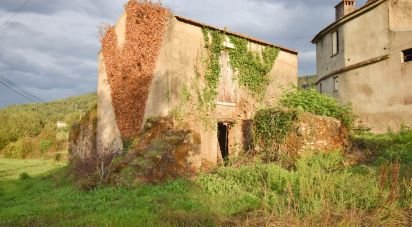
(322, 190)
(12, 168)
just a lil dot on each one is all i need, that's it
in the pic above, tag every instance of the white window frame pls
(335, 43)
(336, 83)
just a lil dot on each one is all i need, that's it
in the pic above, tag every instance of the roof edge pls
(364, 9)
(192, 22)
(352, 67)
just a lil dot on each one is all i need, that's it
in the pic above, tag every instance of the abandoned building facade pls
(195, 75)
(364, 58)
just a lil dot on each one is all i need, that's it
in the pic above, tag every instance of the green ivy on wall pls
(252, 67)
(253, 70)
(215, 46)
(270, 129)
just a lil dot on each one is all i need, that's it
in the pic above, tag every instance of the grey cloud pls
(50, 47)
(52, 55)
(103, 8)
(279, 22)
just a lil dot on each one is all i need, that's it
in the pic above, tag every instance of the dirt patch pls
(130, 69)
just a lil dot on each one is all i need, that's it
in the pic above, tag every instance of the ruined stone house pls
(364, 58)
(156, 64)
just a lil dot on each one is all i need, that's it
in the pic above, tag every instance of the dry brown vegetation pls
(130, 68)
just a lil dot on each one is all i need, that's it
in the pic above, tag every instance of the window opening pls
(407, 55)
(336, 83)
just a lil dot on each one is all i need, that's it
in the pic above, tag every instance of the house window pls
(320, 88)
(226, 91)
(407, 55)
(335, 43)
(336, 83)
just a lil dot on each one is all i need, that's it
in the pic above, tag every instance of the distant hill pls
(308, 81)
(31, 130)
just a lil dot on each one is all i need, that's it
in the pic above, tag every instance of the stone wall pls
(316, 133)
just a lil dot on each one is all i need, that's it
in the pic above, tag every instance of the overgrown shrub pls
(23, 148)
(313, 102)
(24, 176)
(44, 145)
(270, 128)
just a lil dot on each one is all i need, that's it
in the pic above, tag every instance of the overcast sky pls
(49, 47)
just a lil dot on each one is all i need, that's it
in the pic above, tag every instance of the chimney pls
(344, 8)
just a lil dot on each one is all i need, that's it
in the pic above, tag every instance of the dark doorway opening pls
(223, 138)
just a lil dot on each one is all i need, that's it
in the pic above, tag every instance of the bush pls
(20, 149)
(24, 176)
(313, 102)
(270, 128)
(45, 145)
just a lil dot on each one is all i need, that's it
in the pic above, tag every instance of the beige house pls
(156, 64)
(365, 58)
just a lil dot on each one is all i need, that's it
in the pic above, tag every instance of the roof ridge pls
(193, 22)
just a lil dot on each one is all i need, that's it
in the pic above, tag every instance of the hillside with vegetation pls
(307, 81)
(32, 131)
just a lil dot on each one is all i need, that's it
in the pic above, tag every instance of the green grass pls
(11, 168)
(52, 200)
(387, 148)
(322, 190)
